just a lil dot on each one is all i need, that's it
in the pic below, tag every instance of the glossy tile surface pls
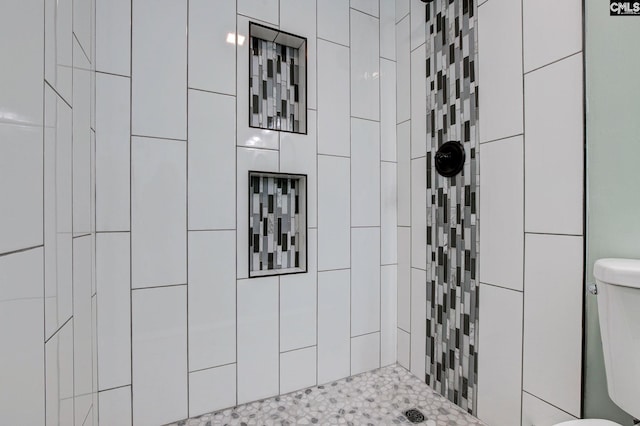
(212, 389)
(418, 323)
(404, 173)
(388, 30)
(388, 109)
(418, 217)
(365, 353)
(115, 407)
(59, 377)
(297, 369)
(404, 278)
(58, 46)
(418, 104)
(365, 66)
(333, 213)
(264, 10)
(388, 214)
(365, 173)
(403, 70)
(333, 21)
(388, 314)
(113, 36)
(365, 281)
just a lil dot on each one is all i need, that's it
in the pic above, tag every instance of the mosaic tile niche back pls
(452, 214)
(277, 224)
(277, 81)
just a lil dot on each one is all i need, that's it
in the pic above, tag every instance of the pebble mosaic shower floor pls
(379, 397)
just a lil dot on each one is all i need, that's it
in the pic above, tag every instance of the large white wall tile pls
(500, 363)
(114, 316)
(298, 370)
(212, 390)
(418, 322)
(333, 325)
(258, 353)
(553, 319)
(81, 142)
(404, 348)
(212, 299)
(299, 17)
(403, 70)
(115, 407)
(389, 314)
(418, 103)
(158, 212)
(554, 119)
(113, 36)
(388, 110)
(367, 6)
(365, 281)
(82, 328)
(365, 173)
(333, 213)
(500, 68)
(113, 145)
(264, 10)
(402, 8)
(211, 157)
(404, 173)
(536, 412)
(159, 55)
(418, 17)
(418, 216)
(333, 99)
(404, 278)
(159, 355)
(502, 209)
(298, 155)
(365, 353)
(248, 159)
(209, 25)
(298, 302)
(388, 30)
(365, 66)
(58, 46)
(333, 21)
(550, 36)
(59, 377)
(22, 304)
(82, 28)
(248, 136)
(388, 214)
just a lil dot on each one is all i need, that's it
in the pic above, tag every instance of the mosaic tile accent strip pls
(378, 397)
(275, 222)
(452, 215)
(274, 86)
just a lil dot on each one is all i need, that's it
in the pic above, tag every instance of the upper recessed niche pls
(277, 80)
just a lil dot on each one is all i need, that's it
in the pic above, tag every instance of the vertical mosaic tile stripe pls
(274, 223)
(452, 216)
(274, 86)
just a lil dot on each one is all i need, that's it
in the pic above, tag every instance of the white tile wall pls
(333, 213)
(403, 69)
(553, 320)
(404, 348)
(298, 369)
(211, 174)
(365, 281)
(388, 30)
(82, 11)
(418, 321)
(418, 215)
(402, 8)
(159, 355)
(113, 37)
(59, 377)
(365, 65)
(418, 103)
(388, 214)
(388, 109)
(159, 59)
(333, 325)
(212, 299)
(500, 366)
(158, 212)
(333, 97)
(388, 314)
(81, 142)
(418, 17)
(404, 278)
(554, 123)
(113, 146)
(22, 303)
(212, 390)
(365, 353)
(502, 235)
(115, 407)
(209, 25)
(500, 41)
(333, 22)
(536, 412)
(114, 316)
(59, 46)
(264, 10)
(258, 376)
(365, 173)
(367, 6)
(404, 173)
(298, 302)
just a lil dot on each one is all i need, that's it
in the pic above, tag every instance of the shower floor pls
(379, 397)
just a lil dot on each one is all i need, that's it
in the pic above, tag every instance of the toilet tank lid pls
(622, 272)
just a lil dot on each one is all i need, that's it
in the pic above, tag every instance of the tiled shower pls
(130, 128)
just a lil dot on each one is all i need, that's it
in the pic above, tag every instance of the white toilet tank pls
(618, 283)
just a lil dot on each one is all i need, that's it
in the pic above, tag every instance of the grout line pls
(335, 42)
(113, 74)
(210, 91)
(317, 203)
(211, 368)
(157, 287)
(297, 349)
(548, 403)
(502, 287)
(83, 51)
(552, 62)
(186, 202)
(59, 96)
(365, 119)
(334, 155)
(8, 253)
(131, 340)
(402, 329)
(502, 138)
(235, 207)
(58, 329)
(114, 388)
(524, 186)
(366, 13)
(404, 17)
(365, 334)
(380, 186)
(158, 137)
(553, 233)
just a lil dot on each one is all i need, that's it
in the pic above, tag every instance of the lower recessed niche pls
(277, 223)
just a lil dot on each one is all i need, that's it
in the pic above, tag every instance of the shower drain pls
(414, 416)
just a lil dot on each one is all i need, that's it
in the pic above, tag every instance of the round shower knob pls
(450, 158)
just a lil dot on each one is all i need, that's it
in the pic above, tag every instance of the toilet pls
(618, 292)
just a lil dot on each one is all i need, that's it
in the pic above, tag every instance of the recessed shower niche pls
(277, 224)
(277, 80)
